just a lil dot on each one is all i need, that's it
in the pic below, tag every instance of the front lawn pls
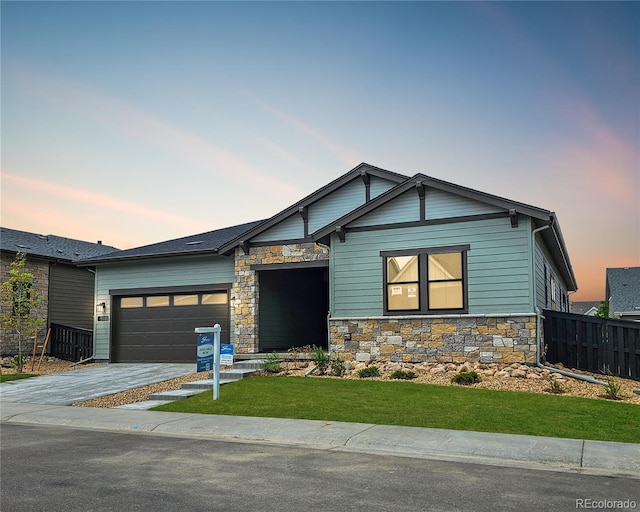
(420, 405)
(15, 376)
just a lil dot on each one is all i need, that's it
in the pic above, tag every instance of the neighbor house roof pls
(51, 247)
(202, 243)
(623, 290)
(588, 307)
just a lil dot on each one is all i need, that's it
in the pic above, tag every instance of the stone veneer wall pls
(245, 292)
(40, 271)
(486, 339)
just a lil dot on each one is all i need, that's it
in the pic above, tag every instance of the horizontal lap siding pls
(498, 265)
(291, 228)
(71, 292)
(442, 205)
(154, 274)
(336, 204)
(379, 186)
(405, 208)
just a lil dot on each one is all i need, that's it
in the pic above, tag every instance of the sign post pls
(215, 330)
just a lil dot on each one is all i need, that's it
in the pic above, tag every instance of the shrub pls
(320, 358)
(369, 371)
(18, 361)
(338, 367)
(556, 387)
(403, 375)
(271, 363)
(613, 389)
(465, 378)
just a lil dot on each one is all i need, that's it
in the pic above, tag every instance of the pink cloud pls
(26, 202)
(140, 125)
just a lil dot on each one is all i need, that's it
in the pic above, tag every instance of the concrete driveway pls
(91, 382)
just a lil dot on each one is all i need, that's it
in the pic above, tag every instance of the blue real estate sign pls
(205, 352)
(226, 354)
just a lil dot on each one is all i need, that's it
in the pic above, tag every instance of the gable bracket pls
(366, 179)
(341, 233)
(304, 213)
(421, 194)
(245, 246)
(513, 216)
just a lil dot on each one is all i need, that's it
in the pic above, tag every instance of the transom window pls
(425, 280)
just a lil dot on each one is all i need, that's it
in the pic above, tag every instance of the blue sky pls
(136, 122)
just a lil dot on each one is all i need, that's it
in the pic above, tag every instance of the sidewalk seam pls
(582, 453)
(348, 440)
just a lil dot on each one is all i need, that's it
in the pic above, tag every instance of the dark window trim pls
(423, 280)
(290, 266)
(160, 290)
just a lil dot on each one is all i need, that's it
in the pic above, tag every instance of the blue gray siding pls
(404, 208)
(148, 274)
(547, 276)
(337, 204)
(498, 265)
(442, 205)
(379, 186)
(291, 228)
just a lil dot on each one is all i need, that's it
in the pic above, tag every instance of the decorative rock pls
(519, 373)
(533, 375)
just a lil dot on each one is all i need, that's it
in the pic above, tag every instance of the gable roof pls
(203, 243)
(50, 247)
(359, 172)
(623, 290)
(553, 236)
(588, 307)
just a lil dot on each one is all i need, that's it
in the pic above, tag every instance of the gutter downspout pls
(539, 318)
(324, 246)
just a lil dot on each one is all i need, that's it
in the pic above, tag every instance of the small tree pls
(603, 310)
(19, 302)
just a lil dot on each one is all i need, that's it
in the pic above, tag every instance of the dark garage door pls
(160, 328)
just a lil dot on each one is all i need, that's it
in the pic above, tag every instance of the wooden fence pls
(71, 343)
(593, 344)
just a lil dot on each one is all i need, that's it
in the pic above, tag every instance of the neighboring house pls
(588, 308)
(623, 292)
(373, 265)
(67, 291)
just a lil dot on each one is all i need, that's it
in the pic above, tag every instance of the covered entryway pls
(159, 327)
(293, 307)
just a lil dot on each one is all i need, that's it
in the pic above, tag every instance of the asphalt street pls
(69, 469)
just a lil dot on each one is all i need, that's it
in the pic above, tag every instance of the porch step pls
(248, 364)
(206, 384)
(176, 394)
(240, 370)
(235, 374)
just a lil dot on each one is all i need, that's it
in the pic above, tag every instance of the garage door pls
(160, 327)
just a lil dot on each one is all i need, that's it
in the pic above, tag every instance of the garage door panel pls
(163, 333)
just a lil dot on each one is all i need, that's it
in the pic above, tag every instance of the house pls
(587, 307)
(374, 264)
(623, 292)
(67, 291)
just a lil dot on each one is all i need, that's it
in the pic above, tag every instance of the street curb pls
(597, 457)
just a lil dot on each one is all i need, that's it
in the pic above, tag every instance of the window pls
(214, 298)
(185, 300)
(131, 302)
(425, 280)
(157, 301)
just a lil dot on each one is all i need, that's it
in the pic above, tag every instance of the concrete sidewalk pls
(594, 457)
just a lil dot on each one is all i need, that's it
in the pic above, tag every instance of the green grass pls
(420, 405)
(15, 376)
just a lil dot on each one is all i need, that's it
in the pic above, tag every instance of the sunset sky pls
(137, 122)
